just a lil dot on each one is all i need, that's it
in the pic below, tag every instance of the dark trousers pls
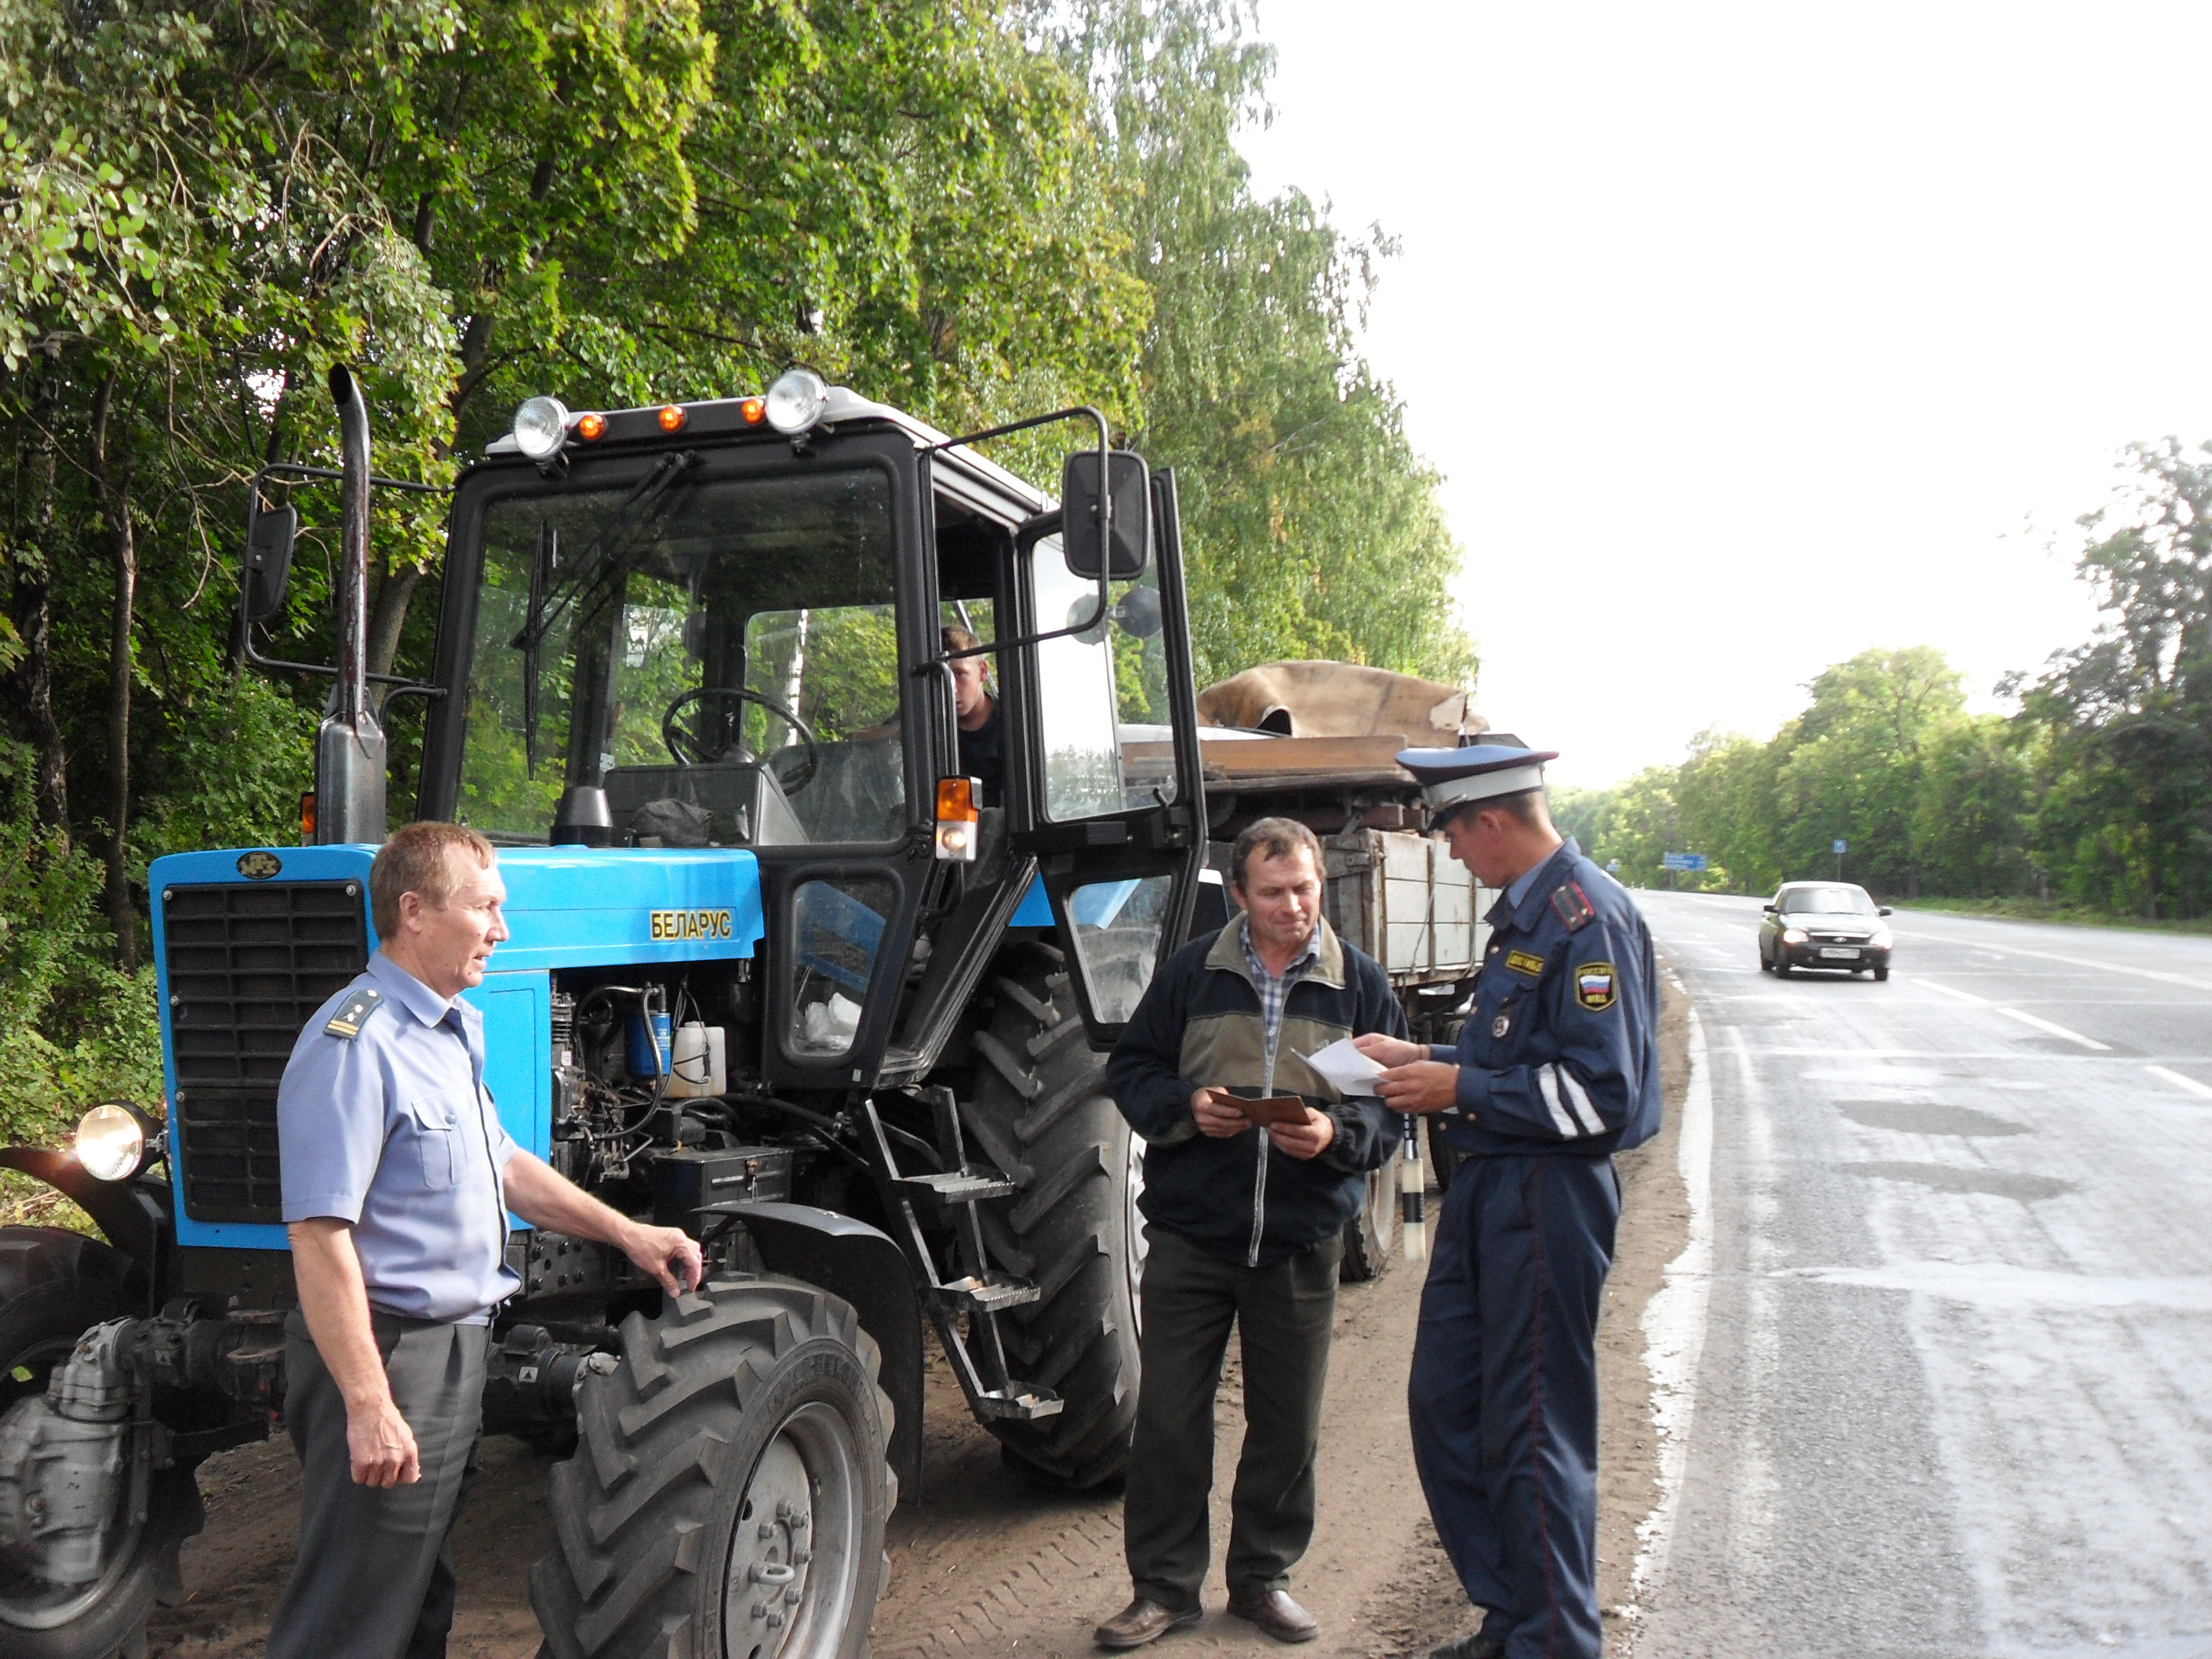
(1503, 1392)
(375, 1574)
(1283, 1315)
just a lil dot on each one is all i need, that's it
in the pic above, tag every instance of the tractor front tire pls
(1370, 1236)
(54, 1286)
(1042, 1114)
(729, 1490)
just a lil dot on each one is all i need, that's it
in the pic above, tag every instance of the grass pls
(2052, 910)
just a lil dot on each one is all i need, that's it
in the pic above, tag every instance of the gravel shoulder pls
(982, 1561)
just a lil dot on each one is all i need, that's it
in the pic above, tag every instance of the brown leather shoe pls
(1277, 1614)
(1143, 1621)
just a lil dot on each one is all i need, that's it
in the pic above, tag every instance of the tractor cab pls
(692, 626)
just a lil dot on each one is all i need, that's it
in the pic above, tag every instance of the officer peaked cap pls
(1481, 771)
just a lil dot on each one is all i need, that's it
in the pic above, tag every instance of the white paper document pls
(1351, 1071)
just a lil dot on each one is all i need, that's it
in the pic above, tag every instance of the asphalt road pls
(1945, 1326)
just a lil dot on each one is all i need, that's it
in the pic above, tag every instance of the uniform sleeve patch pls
(353, 1013)
(1521, 962)
(1573, 905)
(1596, 985)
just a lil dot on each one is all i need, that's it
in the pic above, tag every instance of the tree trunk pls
(386, 617)
(123, 548)
(31, 604)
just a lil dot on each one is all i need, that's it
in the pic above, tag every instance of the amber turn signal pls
(590, 427)
(672, 418)
(755, 409)
(958, 821)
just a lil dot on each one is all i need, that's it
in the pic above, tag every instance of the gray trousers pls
(1282, 1316)
(373, 1578)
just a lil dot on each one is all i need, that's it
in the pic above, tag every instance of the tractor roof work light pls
(541, 427)
(796, 401)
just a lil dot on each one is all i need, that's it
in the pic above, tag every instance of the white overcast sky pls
(1749, 336)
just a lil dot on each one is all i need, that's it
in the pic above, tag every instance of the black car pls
(1824, 924)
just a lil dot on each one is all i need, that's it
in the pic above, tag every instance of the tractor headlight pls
(796, 401)
(110, 1141)
(541, 427)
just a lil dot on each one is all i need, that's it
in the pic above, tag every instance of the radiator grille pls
(247, 964)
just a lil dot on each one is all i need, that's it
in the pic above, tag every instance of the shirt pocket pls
(438, 1122)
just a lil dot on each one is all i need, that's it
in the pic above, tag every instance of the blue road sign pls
(1685, 861)
(1839, 847)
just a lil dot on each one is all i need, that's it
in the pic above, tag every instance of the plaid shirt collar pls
(1275, 989)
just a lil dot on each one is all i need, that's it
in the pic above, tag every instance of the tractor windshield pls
(718, 654)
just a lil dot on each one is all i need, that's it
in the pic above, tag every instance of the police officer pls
(398, 1179)
(1556, 1069)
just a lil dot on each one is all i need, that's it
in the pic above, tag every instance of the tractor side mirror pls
(269, 561)
(1080, 541)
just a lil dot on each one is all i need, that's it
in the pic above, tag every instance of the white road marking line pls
(1963, 996)
(1674, 1321)
(2077, 962)
(2180, 1082)
(2042, 1024)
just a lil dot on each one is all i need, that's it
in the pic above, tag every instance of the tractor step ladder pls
(980, 1293)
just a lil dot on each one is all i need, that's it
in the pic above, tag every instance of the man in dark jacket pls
(1243, 1226)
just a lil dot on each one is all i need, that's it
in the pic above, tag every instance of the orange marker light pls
(958, 826)
(755, 409)
(672, 418)
(307, 819)
(591, 426)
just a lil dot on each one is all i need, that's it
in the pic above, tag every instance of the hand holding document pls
(1348, 1071)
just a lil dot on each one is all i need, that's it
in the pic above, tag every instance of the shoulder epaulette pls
(353, 1013)
(1573, 906)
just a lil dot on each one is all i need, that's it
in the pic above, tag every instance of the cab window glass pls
(666, 636)
(836, 928)
(1102, 694)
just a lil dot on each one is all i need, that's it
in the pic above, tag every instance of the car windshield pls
(720, 655)
(1826, 902)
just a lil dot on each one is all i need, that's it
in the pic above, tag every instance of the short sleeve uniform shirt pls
(391, 1129)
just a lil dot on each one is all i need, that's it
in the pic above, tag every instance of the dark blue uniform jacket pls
(1560, 1052)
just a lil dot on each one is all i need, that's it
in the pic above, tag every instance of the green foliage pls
(73, 1031)
(1312, 526)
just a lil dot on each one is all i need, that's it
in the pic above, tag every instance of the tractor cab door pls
(1110, 797)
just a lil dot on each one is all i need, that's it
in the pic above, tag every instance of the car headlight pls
(1880, 939)
(1793, 936)
(110, 1141)
(541, 427)
(796, 401)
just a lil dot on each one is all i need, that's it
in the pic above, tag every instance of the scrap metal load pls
(1318, 742)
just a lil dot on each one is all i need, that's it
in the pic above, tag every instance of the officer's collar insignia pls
(1573, 905)
(1596, 985)
(353, 1012)
(1521, 962)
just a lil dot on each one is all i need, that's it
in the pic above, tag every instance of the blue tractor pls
(783, 971)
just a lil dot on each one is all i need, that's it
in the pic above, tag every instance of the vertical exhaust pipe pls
(349, 784)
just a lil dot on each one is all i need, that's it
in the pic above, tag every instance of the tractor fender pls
(134, 1214)
(851, 1259)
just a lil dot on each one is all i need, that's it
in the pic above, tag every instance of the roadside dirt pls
(983, 1562)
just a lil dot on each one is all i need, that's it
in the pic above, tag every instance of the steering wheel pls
(689, 750)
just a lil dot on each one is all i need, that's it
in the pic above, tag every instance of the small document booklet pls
(1345, 1066)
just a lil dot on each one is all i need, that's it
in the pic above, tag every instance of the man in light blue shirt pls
(398, 1179)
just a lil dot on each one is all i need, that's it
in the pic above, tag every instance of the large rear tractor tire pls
(1372, 1235)
(1041, 1113)
(729, 1490)
(54, 1286)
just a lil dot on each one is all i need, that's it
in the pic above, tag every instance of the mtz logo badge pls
(691, 924)
(1594, 986)
(258, 867)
